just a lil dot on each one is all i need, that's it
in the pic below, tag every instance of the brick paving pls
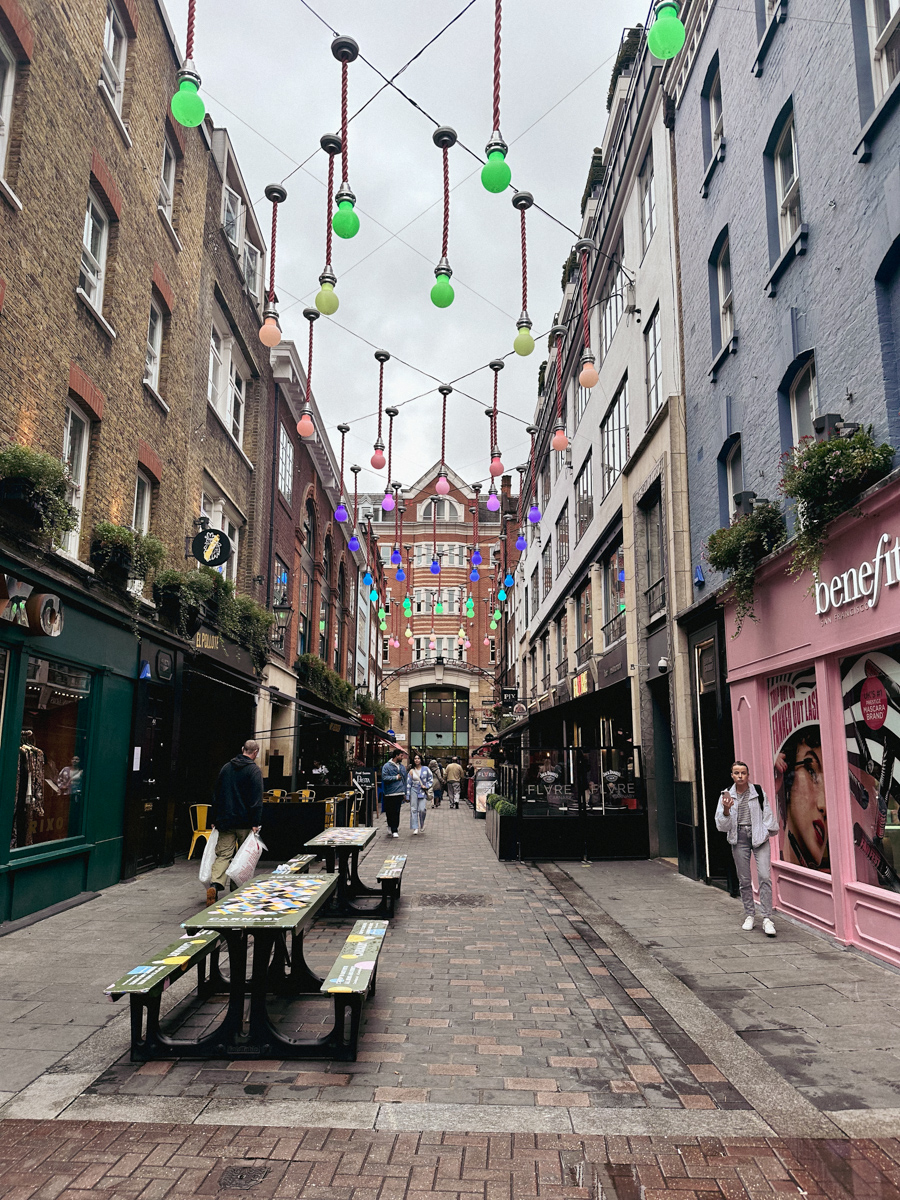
(74, 1160)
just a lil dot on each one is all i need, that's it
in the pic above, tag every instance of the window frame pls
(143, 484)
(653, 363)
(7, 92)
(112, 73)
(614, 439)
(77, 478)
(154, 345)
(716, 113)
(285, 464)
(223, 394)
(725, 300)
(166, 199)
(787, 197)
(93, 271)
(736, 453)
(647, 196)
(584, 498)
(231, 197)
(547, 569)
(808, 370)
(562, 538)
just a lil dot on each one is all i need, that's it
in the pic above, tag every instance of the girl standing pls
(418, 782)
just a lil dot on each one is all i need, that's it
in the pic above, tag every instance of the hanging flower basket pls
(738, 548)
(34, 493)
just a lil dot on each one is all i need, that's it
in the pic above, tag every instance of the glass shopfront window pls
(50, 776)
(799, 773)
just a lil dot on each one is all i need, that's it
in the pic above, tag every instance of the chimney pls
(506, 485)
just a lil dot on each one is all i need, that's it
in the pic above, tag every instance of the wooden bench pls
(298, 865)
(389, 877)
(352, 980)
(144, 985)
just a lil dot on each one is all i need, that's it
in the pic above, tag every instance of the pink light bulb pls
(588, 377)
(466, 644)
(493, 502)
(442, 487)
(378, 460)
(387, 502)
(496, 466)
(270, 334)
(487, 641)
(559, 442)
(305, 425)
(432, 645)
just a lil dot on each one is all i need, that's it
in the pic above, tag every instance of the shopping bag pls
(244, 862)
(209, 857)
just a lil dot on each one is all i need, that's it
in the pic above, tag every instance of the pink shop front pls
(815, 696)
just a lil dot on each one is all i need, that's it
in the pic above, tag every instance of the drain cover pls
(448, 900)
(242, 1178)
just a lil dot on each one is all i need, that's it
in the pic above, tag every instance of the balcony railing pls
(545, 683)
(614, 629)
(656, 597)
(584, 651)
(562, 669)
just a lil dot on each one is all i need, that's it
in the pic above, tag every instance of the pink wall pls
(861, 565)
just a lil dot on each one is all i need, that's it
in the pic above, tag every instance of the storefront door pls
(153, 792)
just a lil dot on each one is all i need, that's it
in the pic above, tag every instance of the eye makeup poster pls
(799, 776)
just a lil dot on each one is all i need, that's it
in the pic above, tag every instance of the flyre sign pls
(862, 585)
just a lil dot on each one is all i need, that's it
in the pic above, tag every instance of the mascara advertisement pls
(870, 685)
(799, 777)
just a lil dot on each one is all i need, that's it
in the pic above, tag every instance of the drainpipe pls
(273, 483)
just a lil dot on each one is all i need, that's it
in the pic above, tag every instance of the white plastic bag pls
(209, 858)
(244, 862)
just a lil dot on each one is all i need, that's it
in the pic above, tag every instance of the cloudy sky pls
(270, 79)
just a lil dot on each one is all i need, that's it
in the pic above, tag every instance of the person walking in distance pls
(744, 816)
(236, 809)
(418, 783)
(438, 788)
(393, 783)
(454, 777)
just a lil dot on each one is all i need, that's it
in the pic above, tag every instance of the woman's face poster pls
(799, 775)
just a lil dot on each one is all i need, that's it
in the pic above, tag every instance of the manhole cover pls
(448, 900)
(242, 1178)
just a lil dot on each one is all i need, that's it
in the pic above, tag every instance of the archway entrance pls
(439, 721)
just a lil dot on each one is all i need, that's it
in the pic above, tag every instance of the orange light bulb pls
(270, 334)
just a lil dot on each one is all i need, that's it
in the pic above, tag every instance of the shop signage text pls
(38, 612)
(580, 685)
(861, 585)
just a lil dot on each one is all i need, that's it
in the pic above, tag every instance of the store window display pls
(799, 774)
(50, 776)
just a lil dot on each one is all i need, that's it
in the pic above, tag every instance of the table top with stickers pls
(341, 836)
(269, 902)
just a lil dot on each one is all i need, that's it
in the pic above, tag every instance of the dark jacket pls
(237, 800)
(393, 778)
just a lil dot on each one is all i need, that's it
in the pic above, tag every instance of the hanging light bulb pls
(508, 581)
(476, 557)
(559, 441)
(497, 614)
(438, 609)
(345, 222)
(270, 331)
(493, 500)
(495, 174)
(588, 377)
(396, 557)
(474, 576)
(326, 300)
(354, 544)
(442, 294)
(401, 575)
(408, 633)
(188, 108)
(373, 595)
(467, 644)
(432, 644)
(501, 595)
(534, 514)
(493, 624)
(521, 543)
(497, 467)
(666, 36)
(341, 514)
(367, 579)
(442, 486)
(524, 342)
(435, 567)
(487, 640)
(378, 459)
(381, 614)
(387, 502)
(305, 425)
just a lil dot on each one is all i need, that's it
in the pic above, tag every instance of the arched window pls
(339, 621)
(309, 528)
(325, 600)
(447, 510)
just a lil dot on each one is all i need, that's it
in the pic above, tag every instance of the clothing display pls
(29, 791)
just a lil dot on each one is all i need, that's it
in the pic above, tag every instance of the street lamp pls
(281, 610)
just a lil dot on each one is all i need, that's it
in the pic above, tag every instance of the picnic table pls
(344, 843)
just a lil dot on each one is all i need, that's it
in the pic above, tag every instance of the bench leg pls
(345, 1047)
(144, 1045)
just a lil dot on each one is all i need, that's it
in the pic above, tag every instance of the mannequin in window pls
(29, 790)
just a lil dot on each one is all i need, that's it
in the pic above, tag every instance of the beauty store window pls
(50, 775)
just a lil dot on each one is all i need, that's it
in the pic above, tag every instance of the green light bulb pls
(327, 301)
(524, 343)
(345, 222)
(497, 614)
(493, 624)
(383, 627)
(442, 293)
(495, 174)
(439, 609)
(381, 614)
(666, 36)
(187, 107)
(501, 595)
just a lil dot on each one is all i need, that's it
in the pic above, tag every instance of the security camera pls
(663, 665)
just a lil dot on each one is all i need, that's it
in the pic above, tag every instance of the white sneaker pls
(748, 923)
(395, 835)
(415, 832)
(768, 927)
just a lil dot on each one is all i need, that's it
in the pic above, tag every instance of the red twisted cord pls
(446, 240)
(533, 478)
(585, 312)
(189, 45)
(524, 263)
(475, 530)
(272, 256)
(380, 395)
(343, 438)
(434, 528)
(396, 515)
(344, 156)
(328, 230)
(444, 434)
(309, 363)
(355, 499)
(494, 416)
(497, 64)
(400, 534)
(390, 445)
(559, 343)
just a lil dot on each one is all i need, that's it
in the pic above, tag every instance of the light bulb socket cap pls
(271, 311)
(524, 321)
(345, 49)
(496, 365)
(558, 331)
(496, 143)
(661, 4)
(188, 73)
(343, 193)
(585, 246)
(379, 444)
(311, 314)
(444, 137)
(328, 276)
(356, 468)
(443, 268)
(382, 356)
(522, 200)
(587, 356)
(559, 427)
(445, 389)
(343, 428)
(275, 193)
(531, 430)
(331, 143)
(495, 453)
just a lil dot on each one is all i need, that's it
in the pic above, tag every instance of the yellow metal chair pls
(306, 795)
(275, 796)
(200, 828)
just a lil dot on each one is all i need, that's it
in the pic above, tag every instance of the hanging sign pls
(580, 685)
(509, 697)
(367, 718)
(38, 612)
(211, 547)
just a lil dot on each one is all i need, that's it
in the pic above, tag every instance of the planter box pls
(19, 504)
(503, 834)
(113, 564)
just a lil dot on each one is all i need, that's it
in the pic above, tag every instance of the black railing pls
(545, 683)
(584, 651)
(562, 669)
(656, 597)
(614, 629)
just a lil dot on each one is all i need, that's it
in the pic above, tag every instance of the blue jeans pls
(417, 810)
(762, 854)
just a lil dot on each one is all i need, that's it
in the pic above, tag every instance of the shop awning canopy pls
(305, 707)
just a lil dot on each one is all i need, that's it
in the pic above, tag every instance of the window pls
(787, 184)
(734, 473)
(286, 465)
(7, 86)
(653, 530)
(884, 30)
(492, 650)
(385, 650)
(167, 178)
(725, 298)
(95, 240)
(584, 500)
(253, 270)
(582, 396)
(309, 530)
(803, 402)
(115, 50)
(280, 584)
(446, 510)
(232, 216)
(227, 384)
(648, 200)
(614, 597)
(562, 653)
(546, 570)
(76, 433)
(154, 346)
(716, 125)
(535, 595)
(614, 438)
(143, 492)
(653, 355)
(562, 539)
(545, 485)
(612, 302)
(584, 618)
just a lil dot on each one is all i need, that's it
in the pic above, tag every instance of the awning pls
(516, 727)
(324, 715)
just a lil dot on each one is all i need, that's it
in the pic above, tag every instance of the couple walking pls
(413, 784)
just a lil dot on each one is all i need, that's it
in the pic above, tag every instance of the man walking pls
(454, 777)
(744, 816)
(393, 783)
(236, 809)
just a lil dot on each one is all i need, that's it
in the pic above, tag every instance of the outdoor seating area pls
(259, 929)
